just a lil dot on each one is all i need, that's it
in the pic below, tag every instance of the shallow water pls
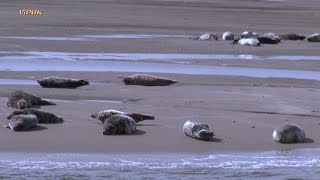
(303, 164)
(18, 82)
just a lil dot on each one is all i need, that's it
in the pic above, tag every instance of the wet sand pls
(242, 111)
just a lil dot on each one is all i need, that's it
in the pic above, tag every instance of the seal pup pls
(197, 130)
(102, 115)
(268, 40)
(228, 35)
(207, 37)
(22, 100)
(248, 34)
(314, 38)
(247, 42)
(147, 80)
(43, 116)
(119, 124)
(22, 122)
(292, 36)
(57, 82)
(289, 133)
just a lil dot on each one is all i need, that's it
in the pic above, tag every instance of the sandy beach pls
(242, 111)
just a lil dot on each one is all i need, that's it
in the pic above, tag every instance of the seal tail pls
(46, 102)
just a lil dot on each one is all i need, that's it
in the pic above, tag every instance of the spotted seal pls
(228, 35)
(102, 115)
(292, 36)
(197, 130)
(43, 116)
(22, 122)
(314, 38)
(119, 124)
(289, 133)
(22, 100)
(57, 82)
(147, 80)
(207, 37)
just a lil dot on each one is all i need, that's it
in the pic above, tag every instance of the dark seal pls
(57, 82)
(43, 116)
(23, 100)
(147, 80)
(119, 124)
(292, 36)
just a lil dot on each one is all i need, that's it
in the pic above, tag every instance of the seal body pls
(22, 122)
(272, 36)
(249, 42)
(228, 36)
(247, 34)
(119, 124)
(288, 134)
(314, 38)
(23, 100)
(292, 36)
(207, 37)
(147, 80)
(43, 116)
(57, 82)
(197, 130)
(268, 40)
(102, 115)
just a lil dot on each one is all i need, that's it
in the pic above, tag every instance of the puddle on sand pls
(18, 82)
(88, 100)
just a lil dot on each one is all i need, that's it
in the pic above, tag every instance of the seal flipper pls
(46, 102)
(140, 117)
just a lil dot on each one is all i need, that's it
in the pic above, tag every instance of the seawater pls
(290, 164)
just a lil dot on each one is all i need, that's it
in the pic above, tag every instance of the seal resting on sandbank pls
(314, 38)
(102, 115)
(247, 42)
(119, 124)
(228, 35)
(57, 82)
(197, 130)
(22, 100)
(43, 116)
(292, 36)
(207, 37)
(248, 34)
(288, 134)
(22, 122)
(268, 40)
(147, 80)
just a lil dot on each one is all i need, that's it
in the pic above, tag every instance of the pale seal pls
(228, 36)
(23, 100)
(289, 133)
(272, 35)
(292, 36)
(247, 42)
(147, 80)
(22, 122)
(314, 38)
(197, 130)
(43, 116)
(268, 40)
(119, 124)
(207, 37)
(57, 82)
(247, 34)
(102, 115)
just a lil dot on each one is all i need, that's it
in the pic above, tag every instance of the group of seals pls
(57, 82)
(22, 100)
(147, 80)
(102, 115)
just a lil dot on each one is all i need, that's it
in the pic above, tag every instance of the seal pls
(314, 38)
(247, 42)
(147, 80)
(272, 35)
(57, 82)
(228, 36)
(248, 34)
(102, 115)
(288, 134)
(22, 100)
(292, 36)
(119, 124)
(22, 122)
(268, 40)
(207, 37)
(197, 130)
(43, 116)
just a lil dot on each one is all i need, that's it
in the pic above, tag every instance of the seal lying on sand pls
(105, 114)
(22, 122)
(228, 36)
(268, 40)
(43, 116)
(292, 36)
(57, 82)
(247, 42)
(22, 100)
(314, 38)
(272, 35)
(147, 80)
(207, 37)
(119, 124)
(197, 130)
(289, 133)
(247, 34)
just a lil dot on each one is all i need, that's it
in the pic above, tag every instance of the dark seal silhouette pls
(147, 80)
(22, 122)
(197, 130)
(119, 124)
(102, 115)
(314, 38)
(22, 100)
(57, 82)
(268, 40)
(292, 36)
(43, 116)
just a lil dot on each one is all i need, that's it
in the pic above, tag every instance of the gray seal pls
(43, 116)
(292, 36)
(197, 130)
(119, 124)
(288, 134)
(23, 100)
(22, 122)
(102, 115)
(268, 40)
(228, 36)
(207, 37)
(314, 38)
(147, 80)
(57, 82)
